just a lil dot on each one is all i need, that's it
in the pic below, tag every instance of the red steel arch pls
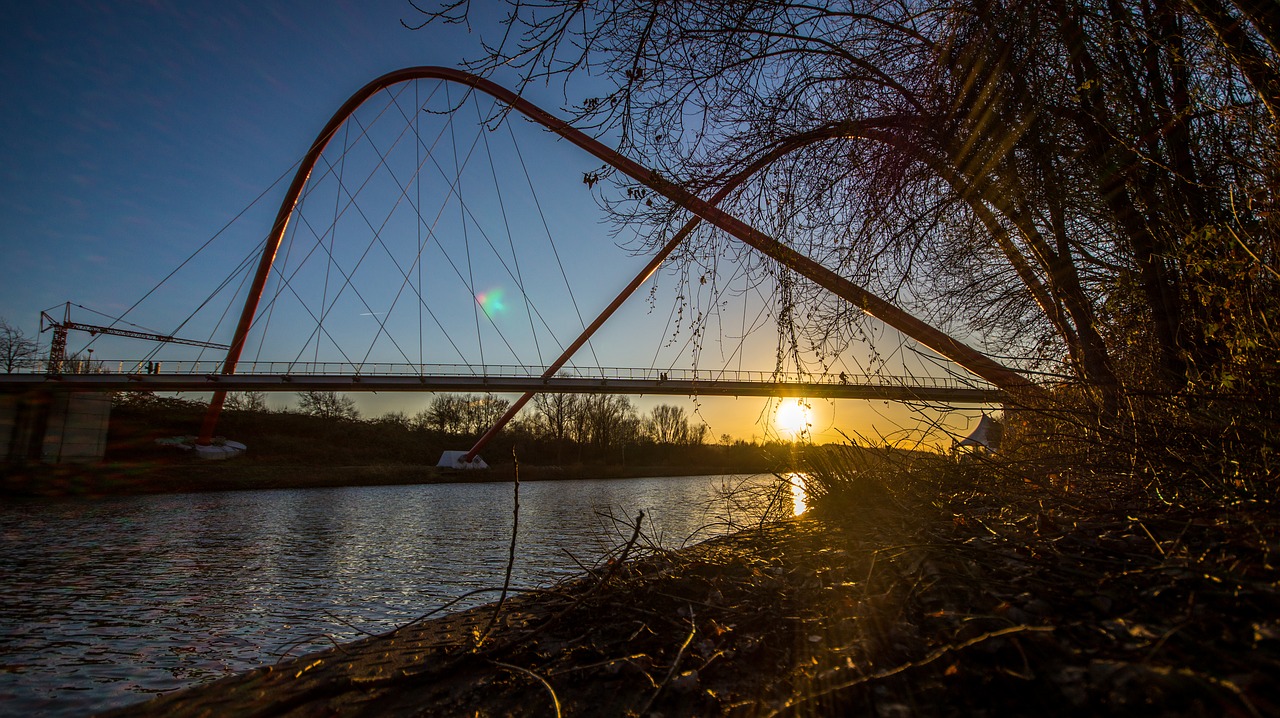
(890, 314)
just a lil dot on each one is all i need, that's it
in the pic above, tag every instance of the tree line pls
(589, 420)
(327, 428)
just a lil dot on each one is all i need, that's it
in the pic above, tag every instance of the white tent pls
(453, 460)
(986, 436)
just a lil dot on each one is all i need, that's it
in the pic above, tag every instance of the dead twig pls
(675, 665)
(626, 551)
(554, 700)
(305, 640)
(338, 619)
(511, 551)
(585, 569)
(575, 601)
(933, 655)
(601, 664)
(488, 589)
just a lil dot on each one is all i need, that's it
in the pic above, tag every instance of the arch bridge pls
(994, 383)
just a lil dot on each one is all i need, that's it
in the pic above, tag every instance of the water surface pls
(105, 602)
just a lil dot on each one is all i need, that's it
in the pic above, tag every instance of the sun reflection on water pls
(799, 500)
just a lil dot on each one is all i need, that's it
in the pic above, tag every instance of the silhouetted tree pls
(327, 405)
(16, 349)
(247, 401)
(482, 412)
(1037, 172)
(555, 418)
(666, 424)
(608, 420)
(397, 419)
(468, 414)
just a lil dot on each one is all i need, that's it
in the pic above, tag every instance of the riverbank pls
(952, 603)
(126, 478)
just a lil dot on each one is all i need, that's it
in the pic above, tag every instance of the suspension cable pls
(551, 240)
(506, 223)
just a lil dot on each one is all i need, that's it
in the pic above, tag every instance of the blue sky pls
(133, 132)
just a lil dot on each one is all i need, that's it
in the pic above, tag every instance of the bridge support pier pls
(54, 427)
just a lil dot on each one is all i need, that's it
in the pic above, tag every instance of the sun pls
(793, 419)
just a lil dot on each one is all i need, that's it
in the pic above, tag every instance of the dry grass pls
(927, 588)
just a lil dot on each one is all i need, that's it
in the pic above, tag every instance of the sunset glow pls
(794, 419)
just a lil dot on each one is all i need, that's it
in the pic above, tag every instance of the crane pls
(58, 346)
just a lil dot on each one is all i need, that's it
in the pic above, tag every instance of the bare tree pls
(666, 424)
(1034, 172)
(608, 420)
(556, 413)
(328, 405)
(555, 418)
(697, 433)
(445, 414)
(397, 419)
(482, 412)
(468, 414)
(421, 420)
(247, 401)
(16, 349)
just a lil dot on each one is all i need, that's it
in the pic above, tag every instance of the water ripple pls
(106, 602)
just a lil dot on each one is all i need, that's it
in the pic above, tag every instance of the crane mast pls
(58, 344)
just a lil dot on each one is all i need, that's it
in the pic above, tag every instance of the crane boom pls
(58, 345)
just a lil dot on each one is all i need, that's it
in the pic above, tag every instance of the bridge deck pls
(940, 391)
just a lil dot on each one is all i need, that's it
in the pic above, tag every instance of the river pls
(105, 602)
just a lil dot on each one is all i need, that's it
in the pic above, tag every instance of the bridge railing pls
(275, 368)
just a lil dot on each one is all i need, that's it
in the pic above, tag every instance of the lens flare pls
(491, 302)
